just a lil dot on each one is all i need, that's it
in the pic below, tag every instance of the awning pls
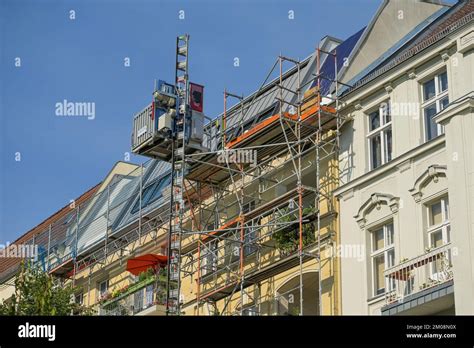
(142, 263)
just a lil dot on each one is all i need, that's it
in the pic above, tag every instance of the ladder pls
(180, 137)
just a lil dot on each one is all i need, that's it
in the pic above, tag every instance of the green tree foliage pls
(36, 294)
(287, 239)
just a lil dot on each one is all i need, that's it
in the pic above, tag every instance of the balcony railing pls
(137, 298)
(418, 274)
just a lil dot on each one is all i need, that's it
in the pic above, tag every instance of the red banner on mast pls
(197, 97)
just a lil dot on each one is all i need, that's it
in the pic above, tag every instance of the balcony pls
(422, 285)
(146, 297)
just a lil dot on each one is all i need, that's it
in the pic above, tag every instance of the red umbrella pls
(142, 263)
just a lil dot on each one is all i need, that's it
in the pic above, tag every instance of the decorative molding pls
(466, 42)
(432, 173)
(444, 56)
(411, 74)
(404, 166)
(358, 106)
(347, 195)
(376, 201)
(389, 88)
(462, 107)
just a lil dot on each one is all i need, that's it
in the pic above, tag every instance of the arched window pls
(288, 295)
(376, 218)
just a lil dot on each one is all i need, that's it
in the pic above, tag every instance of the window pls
(103, 287)
(270, 111)
(438, 223)
(152, 192)
(250, 311)
(237, 129)
(435, 99)
(149, 290)
(248, 207)
(383, 257)
(380, 136)
(438, 231)
(232, 247)
(209, 258)
(212, 223)
(79, 299)
(138, 299)
(250, 231)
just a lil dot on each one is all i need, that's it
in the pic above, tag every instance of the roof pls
(263, 103)
(260, 104)
(342, 51)
(437, 27)
(9, 265)
(113, 208)
(157, 181)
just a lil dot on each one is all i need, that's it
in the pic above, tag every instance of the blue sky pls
(82, 60)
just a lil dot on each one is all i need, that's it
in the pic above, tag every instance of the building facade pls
(359, 199)
(406, 192)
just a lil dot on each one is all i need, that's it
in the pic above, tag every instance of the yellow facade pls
(277, 292)
(264, 297)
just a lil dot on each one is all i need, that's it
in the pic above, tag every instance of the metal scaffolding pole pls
(318, 189)
(76, 240)
(140, 193)
(49, 247)
(170, 234)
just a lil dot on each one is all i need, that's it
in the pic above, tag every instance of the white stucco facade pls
(404, 191)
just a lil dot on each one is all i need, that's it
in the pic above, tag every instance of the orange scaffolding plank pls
(222, 228)
(273, 119)
(255, 129)
(314, 109)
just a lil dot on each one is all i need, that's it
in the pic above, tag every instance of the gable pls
(394, 20)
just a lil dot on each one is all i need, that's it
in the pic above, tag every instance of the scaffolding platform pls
(159, 146)
(274, 131)
(255, 277)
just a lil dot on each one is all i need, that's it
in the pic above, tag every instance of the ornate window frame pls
(376, 201)
(432, 173)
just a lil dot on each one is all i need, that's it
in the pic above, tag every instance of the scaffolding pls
(258, 182)
(111, 225)
(250, 186)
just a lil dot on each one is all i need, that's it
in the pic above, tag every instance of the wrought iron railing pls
(418, 274)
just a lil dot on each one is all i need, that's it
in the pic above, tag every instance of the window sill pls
(376, 299)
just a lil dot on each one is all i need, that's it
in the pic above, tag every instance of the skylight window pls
(152, 192)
